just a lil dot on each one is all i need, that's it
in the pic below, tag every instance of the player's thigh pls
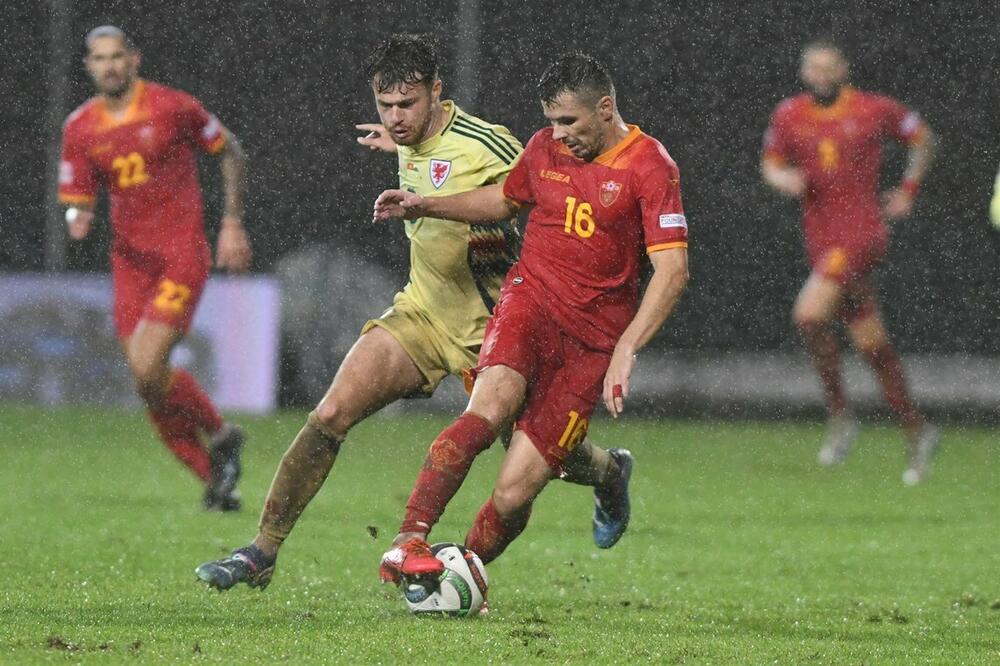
(181, 281)
(498, 395)
(557, 413)
(132, 284)
(818, 300)
(376, 371)
(148, 350)
(522, 476)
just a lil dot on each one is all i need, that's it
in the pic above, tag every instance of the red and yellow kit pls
(146, 158)
(575, 289)
(839, 149)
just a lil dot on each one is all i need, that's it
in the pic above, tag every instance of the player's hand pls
(79, 222)
(232, 251)
(616, 380)
(377, 138)
(896, 203)
(398, 205)
(790, 182)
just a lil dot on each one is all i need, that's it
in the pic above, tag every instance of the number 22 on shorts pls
(171, 297)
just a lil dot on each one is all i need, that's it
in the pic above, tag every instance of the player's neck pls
(619, 130)
(116, 104)
(830, 98)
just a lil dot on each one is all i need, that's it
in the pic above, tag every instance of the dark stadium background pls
(701, 76)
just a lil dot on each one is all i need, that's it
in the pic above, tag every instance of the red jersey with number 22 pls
(590, 226)
(146, 158)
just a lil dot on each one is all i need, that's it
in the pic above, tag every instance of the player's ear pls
(436, 88)
(606, 108)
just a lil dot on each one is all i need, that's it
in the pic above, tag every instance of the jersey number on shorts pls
(829, 156)
(171, 297)
(574, 433)
(131, 169)
(579, 218)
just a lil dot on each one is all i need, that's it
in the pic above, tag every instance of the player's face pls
(111, 65)
(823, 71)
(582, 125)
(407, 111)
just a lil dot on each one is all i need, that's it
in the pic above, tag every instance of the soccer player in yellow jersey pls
(436, 323)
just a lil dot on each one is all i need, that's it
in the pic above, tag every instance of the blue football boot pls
(611, 504)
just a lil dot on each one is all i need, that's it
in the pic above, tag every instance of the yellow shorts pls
(435, 354)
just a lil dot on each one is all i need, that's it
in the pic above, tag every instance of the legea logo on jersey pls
(439, 172)
(673, 221)
(610, 190)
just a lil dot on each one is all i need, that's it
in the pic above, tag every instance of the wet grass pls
(741, 551)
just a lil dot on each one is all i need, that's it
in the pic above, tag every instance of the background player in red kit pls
(569, 321)
(824, 147)
(139, 140)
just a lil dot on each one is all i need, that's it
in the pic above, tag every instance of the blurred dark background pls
(702, 77)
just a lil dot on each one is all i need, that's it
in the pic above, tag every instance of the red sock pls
(180, 436)
(825, 353)
(889, 371)
(186, 396)
(448, 462)
(490, 534)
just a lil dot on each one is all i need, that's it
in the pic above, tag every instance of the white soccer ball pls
(459, 591)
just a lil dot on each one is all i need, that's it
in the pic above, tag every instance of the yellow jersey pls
(456, 269)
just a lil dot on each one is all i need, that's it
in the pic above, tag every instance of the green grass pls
(741, 551)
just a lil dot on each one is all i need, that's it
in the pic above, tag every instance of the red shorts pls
(156, 287)
(851, 266)
(565, 378)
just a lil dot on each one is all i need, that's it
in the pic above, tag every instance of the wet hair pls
(108, 31)
(402, 60)
(824, 44)
(576, 73)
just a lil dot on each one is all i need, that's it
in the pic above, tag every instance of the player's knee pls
(511, 500)
(807, 320)
(150, 383)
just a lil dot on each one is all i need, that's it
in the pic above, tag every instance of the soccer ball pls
(459, 591)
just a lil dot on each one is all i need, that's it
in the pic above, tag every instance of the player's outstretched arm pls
(670, 277)
(783, 179)
(232, 251)
(377, 137)
(898, 202)
(483, 204)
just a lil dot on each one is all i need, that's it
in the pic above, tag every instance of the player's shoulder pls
(161, 95)
(82, 117)
(874, 100)
(652, 155)
(792, 106)
(476, 135)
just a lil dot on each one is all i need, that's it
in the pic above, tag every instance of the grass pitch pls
(741, 550)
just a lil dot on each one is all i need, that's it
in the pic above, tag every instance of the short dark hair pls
(824, 44)
(576, 73)
(109, 31)
(402, 60)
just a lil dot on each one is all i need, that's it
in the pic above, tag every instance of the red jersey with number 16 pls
(146, 159)
(590, 226)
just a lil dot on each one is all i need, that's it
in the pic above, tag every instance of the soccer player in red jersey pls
(569, 321)
(824, 147)
(139, 140)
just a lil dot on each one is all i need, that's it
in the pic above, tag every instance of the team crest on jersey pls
(440, 169)
(610, 190)
(146, 134)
